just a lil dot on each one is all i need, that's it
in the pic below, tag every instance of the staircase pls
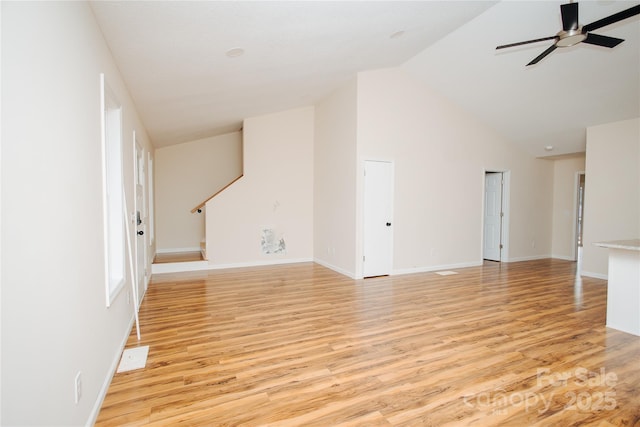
(203, 203)
(187, 261)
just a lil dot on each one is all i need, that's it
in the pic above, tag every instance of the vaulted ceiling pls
(197, 69)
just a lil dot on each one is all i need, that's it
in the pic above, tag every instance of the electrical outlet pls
(78, 387)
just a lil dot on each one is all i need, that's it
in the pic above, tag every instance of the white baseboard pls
(429, 268)
(179, 267)
(594, 275)
(259, 263)
(563, 257)
(527, 258)
(183, 267)
(330, 266)
(95, 411)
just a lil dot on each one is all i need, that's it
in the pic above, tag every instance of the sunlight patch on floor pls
(446, 273)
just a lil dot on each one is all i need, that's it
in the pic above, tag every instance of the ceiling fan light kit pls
(573, 33)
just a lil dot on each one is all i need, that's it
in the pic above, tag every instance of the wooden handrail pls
(215, 194)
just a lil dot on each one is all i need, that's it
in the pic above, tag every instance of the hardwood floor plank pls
(501, 344)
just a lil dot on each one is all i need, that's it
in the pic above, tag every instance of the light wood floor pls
(512, 344)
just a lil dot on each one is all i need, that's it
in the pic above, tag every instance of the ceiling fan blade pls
(526, 42)
(569, 14)
(542, 55)
(632, 11)
(604, 41)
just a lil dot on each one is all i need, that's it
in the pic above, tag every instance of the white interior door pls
(492, 239)
(140, 220)
(378, 211)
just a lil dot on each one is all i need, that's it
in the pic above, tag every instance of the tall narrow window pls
(114, 227)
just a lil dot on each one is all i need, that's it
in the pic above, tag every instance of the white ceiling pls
(172, 55)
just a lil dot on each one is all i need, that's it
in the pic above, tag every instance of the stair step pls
(169, 257)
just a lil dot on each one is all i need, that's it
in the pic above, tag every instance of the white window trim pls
(112, 185)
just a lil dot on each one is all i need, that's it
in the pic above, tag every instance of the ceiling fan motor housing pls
(570, 37)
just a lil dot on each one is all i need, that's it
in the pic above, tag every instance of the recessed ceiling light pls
(397, 35)
(235, 52)
(548, 148)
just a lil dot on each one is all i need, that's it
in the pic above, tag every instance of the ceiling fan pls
(573, 33)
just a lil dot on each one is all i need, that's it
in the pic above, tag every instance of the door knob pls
(388, 224)
(140, 233)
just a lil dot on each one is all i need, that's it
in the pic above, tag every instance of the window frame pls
(112, 191)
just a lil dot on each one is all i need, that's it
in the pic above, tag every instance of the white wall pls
(565, 198)
(612, 190)
(275, 192)
(186, 175)
(440, 154)
(334, 191)
(54, 319)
